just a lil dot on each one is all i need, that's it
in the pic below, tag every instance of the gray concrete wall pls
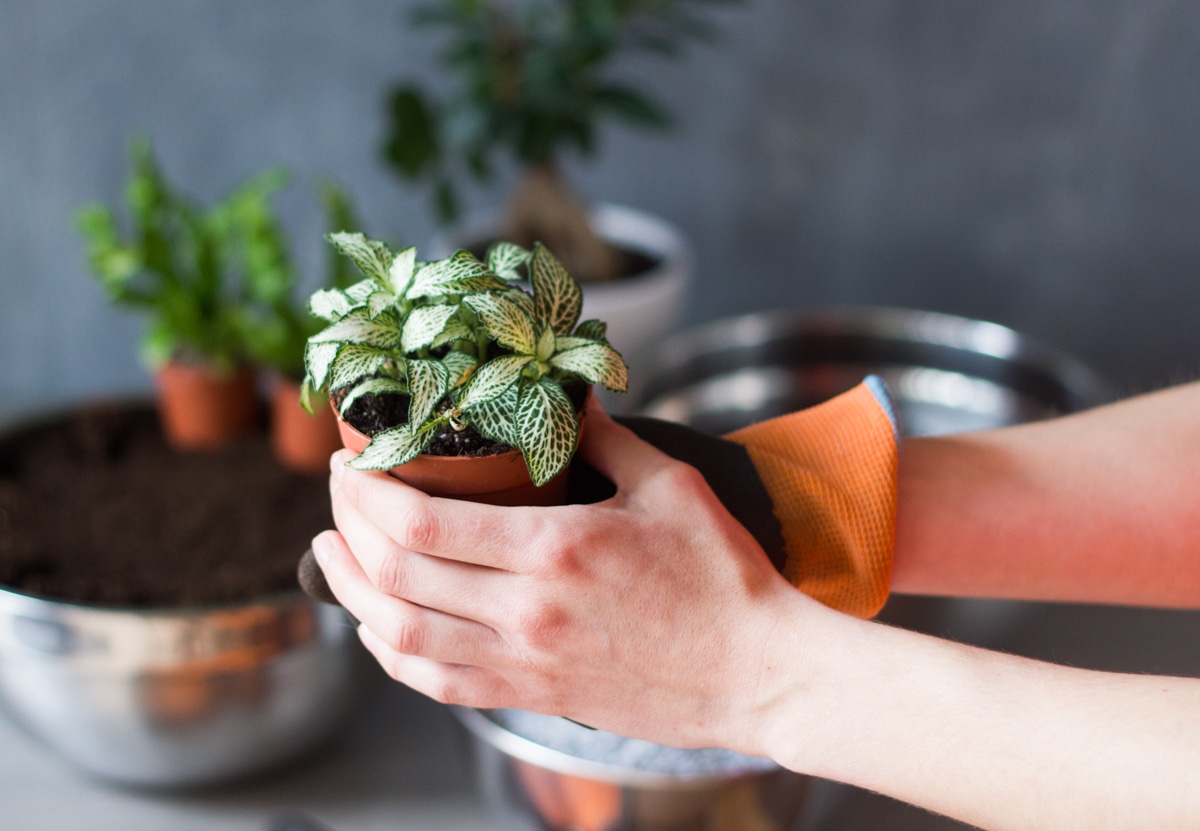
(1031, 162)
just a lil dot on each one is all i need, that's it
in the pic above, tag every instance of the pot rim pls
(628, 227)
(487, 730)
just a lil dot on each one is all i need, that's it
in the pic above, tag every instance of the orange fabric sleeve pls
(831, 474)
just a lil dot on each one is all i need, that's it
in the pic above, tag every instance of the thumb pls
(615, 451)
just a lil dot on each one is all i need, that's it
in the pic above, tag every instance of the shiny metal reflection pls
(534, 788)
(179, 698)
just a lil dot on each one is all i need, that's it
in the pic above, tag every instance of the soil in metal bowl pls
(95, 508)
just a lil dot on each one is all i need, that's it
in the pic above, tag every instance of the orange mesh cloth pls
(831, 473)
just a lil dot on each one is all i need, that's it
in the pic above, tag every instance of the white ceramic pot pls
(639, 310)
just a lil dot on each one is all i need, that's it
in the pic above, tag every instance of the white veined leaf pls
(593, 330)
(496, 418)
(382, 332)
(504, 258)
(459, 274)
(424, 324)
(459, 365)
(354, 361)
(557, 298)
(372, 386)
(506, 321)
(546, 344)
(360, 291)
(596, 363)
(521, 298)
(564, 342)
(371, 256)
(401, 273)
(379, 302)
(392, 448)
(492, 379)
(330, 305)
(428, 381)
(318, 358)
(455, 330)
(547, 428)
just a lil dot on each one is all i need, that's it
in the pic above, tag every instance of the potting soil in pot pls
(599, 746)
(95, 508)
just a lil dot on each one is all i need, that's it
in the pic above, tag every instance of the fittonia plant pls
(467, 343)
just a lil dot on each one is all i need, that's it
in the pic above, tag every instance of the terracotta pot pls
(501, 479)
(301, 442)
(201, 409)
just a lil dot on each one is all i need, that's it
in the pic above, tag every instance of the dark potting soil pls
(633, 264)
(371, 414)
(95, 508)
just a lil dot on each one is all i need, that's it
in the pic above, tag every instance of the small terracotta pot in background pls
(500, 479)
(301, 442)
(202, 409)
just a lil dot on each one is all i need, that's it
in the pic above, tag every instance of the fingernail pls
(321, 550)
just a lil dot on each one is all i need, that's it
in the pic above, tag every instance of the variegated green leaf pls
(557, 298)
(360, 291)
(564, 342)
(505, 258)
(596, 363)
(547, 428)
(372, 386)
(382, 332)
(459, 365)
(392, 448)
(492, 379)
(380, 302)
(462, 273)
(428, 381)
(354, 361)
(424, 324)
(506, 321)
(455, 330)
(593, 330)
(371, 256)
(403, 268)
(318, 358)
(496, 418)
(546, 344)
(330, 305)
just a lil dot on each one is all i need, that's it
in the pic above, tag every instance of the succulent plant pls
(481, 344)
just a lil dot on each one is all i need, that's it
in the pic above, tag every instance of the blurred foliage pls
(533, 80)
(216, 283)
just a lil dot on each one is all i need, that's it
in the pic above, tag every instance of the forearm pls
(991, 739)
(1103, 506)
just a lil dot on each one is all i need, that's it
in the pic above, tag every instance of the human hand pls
(650, 614)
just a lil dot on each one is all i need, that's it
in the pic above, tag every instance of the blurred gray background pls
(1032, 163)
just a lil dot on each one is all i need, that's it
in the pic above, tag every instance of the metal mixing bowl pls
(530, 787)
(946, 374)
(179, 698)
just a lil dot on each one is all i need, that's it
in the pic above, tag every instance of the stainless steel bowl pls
(531, 787)
(179, 698)
(946, 374)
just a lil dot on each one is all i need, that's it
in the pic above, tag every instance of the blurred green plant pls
(534, 81)
(216, 283)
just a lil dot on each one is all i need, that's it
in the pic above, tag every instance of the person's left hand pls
(649, 614)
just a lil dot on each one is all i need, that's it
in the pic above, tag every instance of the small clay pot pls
(500, 479)
(300, 441)
(202, 409)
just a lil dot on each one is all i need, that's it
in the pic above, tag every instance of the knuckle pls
(448, 691)
(393, 575)
(541, 625)
(685, 478)
(405, 634)
(420, 528)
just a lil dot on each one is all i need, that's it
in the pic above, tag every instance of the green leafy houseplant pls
(466, 345)
(535, 82)
(186, 267)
